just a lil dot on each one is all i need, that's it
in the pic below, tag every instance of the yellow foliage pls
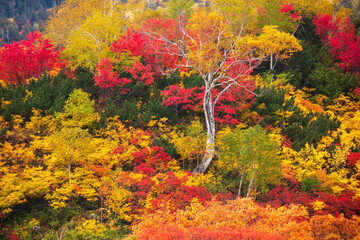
(16, 155)
(118, 203)
(318, 205)
(4, 103)
(85, 183)
(91, 227)
(91, 42)
(16, 187)
(203, 51)
(2, 83)
(60, 196)
(279, 45)
(349, 132)
(40, 125)
(311, 162)
(71, 14)
(190, 144)
(197, 179)
(310, 7)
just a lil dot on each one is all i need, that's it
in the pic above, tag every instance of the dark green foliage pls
(309, 184)
(18, 18)
(314, 68)
(303, 64)
(85, 80)
(300, 127)
(137, 113)
(168, 147)
(330, 80)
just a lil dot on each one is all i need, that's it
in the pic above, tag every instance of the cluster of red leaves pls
(162, 191)
(106, 77)
(231, 103)
(340, 35)
(152, 56)
(336, 205)
(199, 233)
(158, 187)
(352, 159)
(151, 161)
(29, 58)
(287, 8)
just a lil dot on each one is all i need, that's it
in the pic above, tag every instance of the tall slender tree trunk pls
(252, 181)
(210, 126)
(241, 182)
(69, 172)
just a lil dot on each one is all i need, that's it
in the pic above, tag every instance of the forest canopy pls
(180, 120)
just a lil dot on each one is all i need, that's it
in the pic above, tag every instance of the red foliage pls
(150, 161)
(173, 191)
(231, 103)
(340, 35)
(12, 236)
(353, 158)
(286, 8)
(199, 233)
(166, 191)
(344, 204)
(223, 197)
(139, 45)
(167, 58)
(106, 77)
(20, 61)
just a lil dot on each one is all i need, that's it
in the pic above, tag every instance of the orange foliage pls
(310, 106)
(329, 227)
(239, 214)
(166, 232)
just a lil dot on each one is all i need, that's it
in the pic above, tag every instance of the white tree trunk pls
(210, 126)
(241, 182)
(252, 181)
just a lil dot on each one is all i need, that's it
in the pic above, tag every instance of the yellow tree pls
(278, 45)
(86, 28)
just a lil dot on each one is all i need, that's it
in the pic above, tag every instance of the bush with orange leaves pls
(239, 219)
(329, 227)
(166, 232)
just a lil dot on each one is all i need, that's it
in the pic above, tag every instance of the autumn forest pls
(180, 119)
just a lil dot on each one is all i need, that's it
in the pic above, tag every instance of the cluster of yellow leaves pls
(16, 187)
(118, 203)
(197, 179)
(90, 227)
(300, 96)
(206, 44)
(190, 145)
(279, 45)
(87, 28)
(312, 162)
(309, 7)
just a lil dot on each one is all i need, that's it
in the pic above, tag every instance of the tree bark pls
(210, 126)
(241, 182)
(252, 181)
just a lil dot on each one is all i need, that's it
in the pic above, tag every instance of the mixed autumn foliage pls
(217, 120)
